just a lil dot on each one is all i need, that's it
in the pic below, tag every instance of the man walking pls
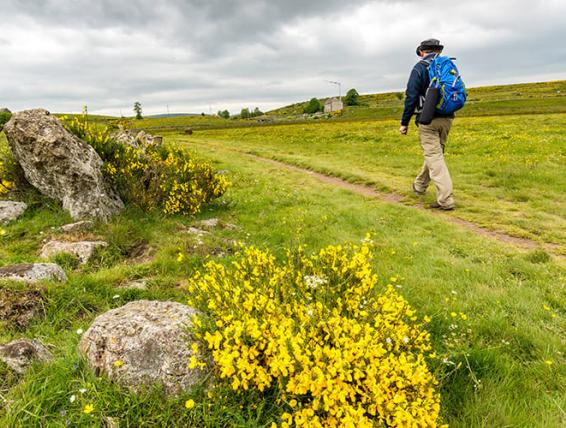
(433, 136)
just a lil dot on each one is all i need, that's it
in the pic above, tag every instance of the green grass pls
(507, 171)
(503, 380)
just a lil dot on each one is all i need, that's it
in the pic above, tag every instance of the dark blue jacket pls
(416, 88)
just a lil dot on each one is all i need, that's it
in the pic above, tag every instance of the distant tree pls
(225, 114)
(257, 112)
(313, 106)
(138, 110)
(5, 116)
(399, 96)
(352, 98)
(245, 113)
(202, 114)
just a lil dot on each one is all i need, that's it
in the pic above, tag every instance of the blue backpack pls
(445, 76)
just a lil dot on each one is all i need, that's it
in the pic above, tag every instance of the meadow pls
(497, 311)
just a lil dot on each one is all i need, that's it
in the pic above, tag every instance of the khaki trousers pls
(433, 138)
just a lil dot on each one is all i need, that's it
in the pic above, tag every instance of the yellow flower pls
(266, 326)
(180, 257)
(189, 404)
(453, 314)
(548, 362)
(88, 409)
(118, 363)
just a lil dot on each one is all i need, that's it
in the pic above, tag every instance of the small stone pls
(138, 284)
(212, 223)
(209, 223)
(111, 422)
(11, 210)
(33, 272)
(196, 231)
(19, 354)
(78, 226)
(83, 250)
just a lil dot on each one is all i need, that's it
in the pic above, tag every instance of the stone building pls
(333, 104)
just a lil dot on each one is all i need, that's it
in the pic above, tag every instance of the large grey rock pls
(150, 342)
(83, 250)
(19, 354)
(33, 272)
(61, 165)
(11, 210)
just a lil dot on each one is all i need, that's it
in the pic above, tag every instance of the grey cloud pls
(192, 54)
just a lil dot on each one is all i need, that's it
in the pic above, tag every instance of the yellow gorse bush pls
(341, 350)
(153, 176)
(8, 171)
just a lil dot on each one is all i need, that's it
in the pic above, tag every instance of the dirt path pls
(398, 199)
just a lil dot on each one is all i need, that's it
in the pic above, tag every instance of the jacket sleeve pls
(411, 96)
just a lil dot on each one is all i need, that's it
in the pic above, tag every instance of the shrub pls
(11, 174)
(313, 106)
(318, 331)
(153, 176)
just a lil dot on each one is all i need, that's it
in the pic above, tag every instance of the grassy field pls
(507, 171)
(504, 365)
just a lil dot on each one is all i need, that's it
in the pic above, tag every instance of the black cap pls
(432, 44)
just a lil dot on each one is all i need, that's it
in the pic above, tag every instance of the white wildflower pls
(313, 281)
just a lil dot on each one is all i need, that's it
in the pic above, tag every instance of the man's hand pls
(403, 130)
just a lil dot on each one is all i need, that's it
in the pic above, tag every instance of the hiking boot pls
(416, 192)
(437, 206)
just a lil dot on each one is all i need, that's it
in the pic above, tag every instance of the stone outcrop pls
(11, 210)
(83, 250)
(61, 165)
(19, 354)
(143, 343)
(33, 272)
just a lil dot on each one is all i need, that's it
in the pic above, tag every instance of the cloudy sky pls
(206, 55)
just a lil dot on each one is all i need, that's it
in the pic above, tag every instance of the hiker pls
(434, 131)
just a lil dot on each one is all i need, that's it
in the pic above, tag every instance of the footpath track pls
(370, 192)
